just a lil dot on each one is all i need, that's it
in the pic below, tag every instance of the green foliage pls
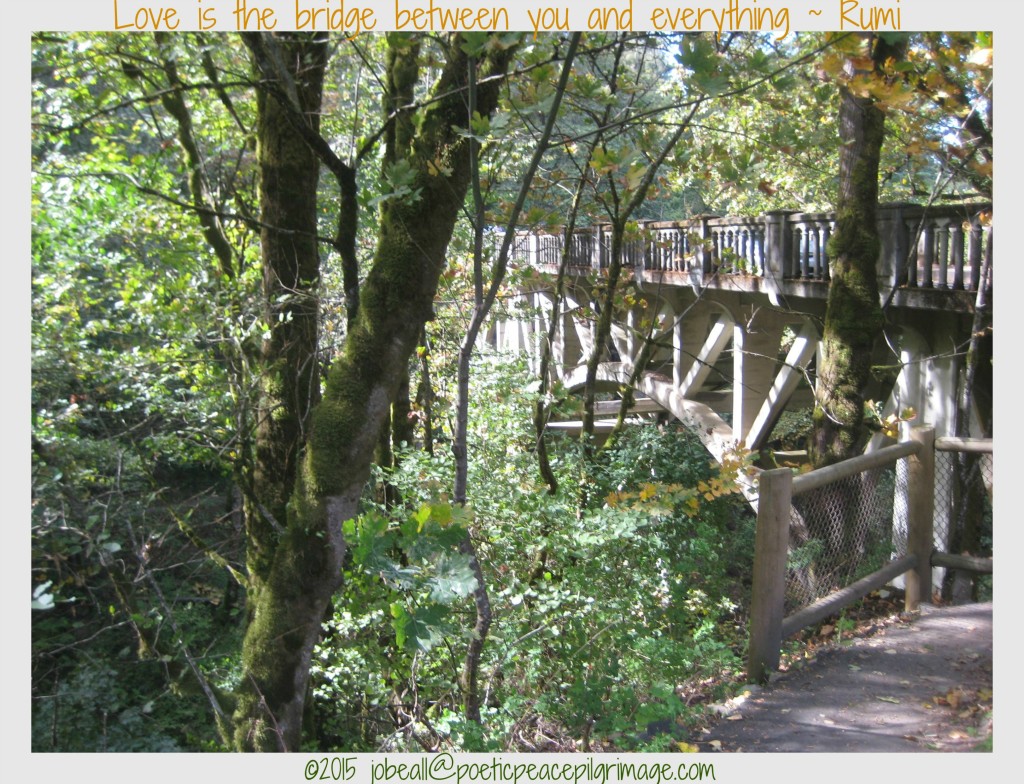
(138, 384)
(625, 592)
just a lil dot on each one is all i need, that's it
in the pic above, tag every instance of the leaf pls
(687, 748)
(893, 700)
(454, 579)
(436, 168)
(441, 513)
(420, 630)
(402, 578)
(635, 176)
(421, 516)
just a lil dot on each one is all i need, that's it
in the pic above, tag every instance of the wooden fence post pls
(771, 546)
(920, 517)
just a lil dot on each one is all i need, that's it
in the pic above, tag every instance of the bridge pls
(731, 309)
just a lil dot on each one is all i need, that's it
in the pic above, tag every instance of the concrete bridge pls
(733, 308)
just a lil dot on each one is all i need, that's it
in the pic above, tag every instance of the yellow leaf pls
(442, 513)
(687, 748)
(435, 168)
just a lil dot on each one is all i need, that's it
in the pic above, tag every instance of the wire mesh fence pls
(843, 531)
(963, 523)
(968, 477)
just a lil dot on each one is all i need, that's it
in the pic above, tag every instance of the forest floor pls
(903, 683)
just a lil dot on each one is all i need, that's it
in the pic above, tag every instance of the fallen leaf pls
(687, 748)
(715, 744)
(734, 717)
(893, 700)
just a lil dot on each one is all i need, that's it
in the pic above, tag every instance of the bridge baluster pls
(912, 264)
(824, 259)
(943, 251)
(957, 246)
(805, 252)
(975, 252)
(928, 241)
(762, 264)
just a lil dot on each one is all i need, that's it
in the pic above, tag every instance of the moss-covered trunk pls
(342, 431)
(853, 316)
(287, 568)
(289, 384)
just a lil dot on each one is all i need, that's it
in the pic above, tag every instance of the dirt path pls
(921, 685)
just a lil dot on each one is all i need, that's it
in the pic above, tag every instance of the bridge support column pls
(717, 339)
(689, 330)
(788, 379)
(755, 348)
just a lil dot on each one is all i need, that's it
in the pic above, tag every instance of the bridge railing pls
(939, 248)
(829, 537)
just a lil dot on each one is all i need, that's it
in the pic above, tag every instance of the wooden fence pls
(768, 626)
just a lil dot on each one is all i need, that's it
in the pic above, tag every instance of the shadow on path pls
(922, 685)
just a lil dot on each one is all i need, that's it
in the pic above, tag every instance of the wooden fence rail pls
(768, 626)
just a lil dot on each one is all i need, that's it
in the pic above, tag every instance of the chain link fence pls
(963, 518)
(843, 531)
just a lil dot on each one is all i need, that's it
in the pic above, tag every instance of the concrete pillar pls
(755, 347)
(717, 339)
(785, 383)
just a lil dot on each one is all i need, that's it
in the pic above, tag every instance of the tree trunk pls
(853, 316)
(302, 562)
(288, 568)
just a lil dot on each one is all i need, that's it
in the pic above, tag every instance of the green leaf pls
(473, 42)
(454, 579)
(420, 630)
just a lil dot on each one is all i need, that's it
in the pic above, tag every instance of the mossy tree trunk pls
(331, 444)
(853, 316)
(286, 567)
